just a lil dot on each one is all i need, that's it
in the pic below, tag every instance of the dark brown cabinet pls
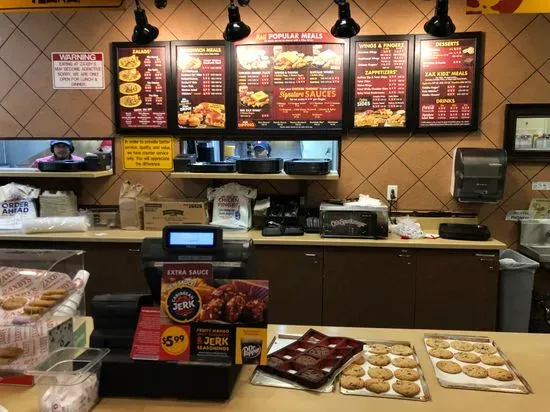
(366, 287)
(295, 283)
(456, 290)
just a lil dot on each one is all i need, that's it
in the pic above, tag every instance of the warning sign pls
(147, 153)
(78, 70)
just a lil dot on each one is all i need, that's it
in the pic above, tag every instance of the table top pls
(534, 366)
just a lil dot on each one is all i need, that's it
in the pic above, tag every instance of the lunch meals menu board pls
(141, 86)
(290, 81)
(200, 82)
(381, 68)
(447, 81)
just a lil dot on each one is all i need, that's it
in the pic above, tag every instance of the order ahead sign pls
(34, 5)
(147, 153)
(507, 6)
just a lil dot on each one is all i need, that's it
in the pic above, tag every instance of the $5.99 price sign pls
(174, 343)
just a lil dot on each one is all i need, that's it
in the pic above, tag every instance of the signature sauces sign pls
(201, 86)
(447, 82)
(290, 81)
(141, 87)
(381, 82)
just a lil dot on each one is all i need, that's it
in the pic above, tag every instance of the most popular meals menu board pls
(381, 79)
(200, 82)
(141, 94)
(447, 82)
(290, 81)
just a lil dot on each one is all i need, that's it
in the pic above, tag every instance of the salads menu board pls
(290, 81)
(200, 82)
(141, 87)
(448, 81)
(381, 68)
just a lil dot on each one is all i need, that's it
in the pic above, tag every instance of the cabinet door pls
(367, 287)
(456, 290)
(295, 283)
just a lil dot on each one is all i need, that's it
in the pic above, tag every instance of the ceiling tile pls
(425, 6)
(316, 194)
(514, 181)
(536, 89)
(16, 18)
(290, 16)
(22, 103)
(366, 188)
(10, 127)
(393, 140)
(317, 7)
(370, 7)
(89, 27)
(65, 16)
(104, 45)
(262, 28)
(38, 77)
(165, 13)
(370, 28)
(265, 7)
(350, 179)
(69, 104)
(477, 139)
(490, 98)
(47, 124)
(188, 21)
(493, 125)
(419, 28)
(8, 78)
(166, 35)
(438, 179)
(94, 124)
(65, 41)
(530, 169)
(502, 230)
(398, 17)
(461, 20)
(23, 133)
(419, 197)
(18, 52)
(212, 8)
(41, 28)
(420, 153)
(533, 41)
(367, 154)
(212, 33)
(330, 15)
(6, 28)
(494, 42)
(510, 24)
(508, 70)
(448, 140)
(545, 70)
(393, 172)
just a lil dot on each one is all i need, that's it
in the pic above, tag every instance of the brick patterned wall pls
(517, 70)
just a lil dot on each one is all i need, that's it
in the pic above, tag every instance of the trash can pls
(517, 275)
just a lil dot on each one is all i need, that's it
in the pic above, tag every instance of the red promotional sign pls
(147, 336)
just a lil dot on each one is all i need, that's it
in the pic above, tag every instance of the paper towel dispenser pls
(478, 175)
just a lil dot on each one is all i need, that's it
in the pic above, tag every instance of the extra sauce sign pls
(79, 70)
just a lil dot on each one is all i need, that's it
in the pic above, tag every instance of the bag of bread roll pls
(131, 200)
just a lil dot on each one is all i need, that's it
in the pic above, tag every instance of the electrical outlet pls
(390, 188)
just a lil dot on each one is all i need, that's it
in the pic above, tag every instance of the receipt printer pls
(478, 175)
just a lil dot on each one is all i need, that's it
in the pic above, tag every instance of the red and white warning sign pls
(79, 70)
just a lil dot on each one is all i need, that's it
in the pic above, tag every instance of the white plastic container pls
(68, 380)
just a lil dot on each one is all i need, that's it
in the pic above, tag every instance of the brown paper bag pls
(131, 200)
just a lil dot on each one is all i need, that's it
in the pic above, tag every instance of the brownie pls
(312, 374)
(306, 360)
(274, 362)
(319, 351)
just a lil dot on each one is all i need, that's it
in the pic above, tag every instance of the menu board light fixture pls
(440, 25)
(345, 27)
(236, 29)
(143, 32)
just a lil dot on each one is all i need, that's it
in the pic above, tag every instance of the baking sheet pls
(424, 394)
(463, 381)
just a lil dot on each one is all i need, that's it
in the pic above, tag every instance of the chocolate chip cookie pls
(379, 349)
(492, 360)
(441, 353)
(14, 302)
(485, 348)
(403, 362)
(401, 350)
(359, 360)
(500, 374)
(406, 388)
(351, 382)
(354, 370)
(380, 373)
(462, 346)
(475, 371)
(467, 357)
(10, 352)
(379, 360)
(437, 343)
(377, 385)
(407, 375)
(449, 367)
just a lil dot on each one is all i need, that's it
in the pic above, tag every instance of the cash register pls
(116, 316)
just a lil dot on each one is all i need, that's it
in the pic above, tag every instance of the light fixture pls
(345, 27)
(160, 4)
(143, 32)
(441, 24)
(236, 29)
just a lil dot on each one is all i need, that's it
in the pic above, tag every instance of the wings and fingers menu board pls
(447, 81)
(290, 81)
(382, 73)
(200, 82)
(141, 86)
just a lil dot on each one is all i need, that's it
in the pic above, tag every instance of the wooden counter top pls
(131, 236)
(246, 397)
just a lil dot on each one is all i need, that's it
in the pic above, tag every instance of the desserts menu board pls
(141, 87)
(447, 82)
(290, 81)
(200, 82)
(381, 80)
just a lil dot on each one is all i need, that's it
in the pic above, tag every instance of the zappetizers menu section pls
(141, 87)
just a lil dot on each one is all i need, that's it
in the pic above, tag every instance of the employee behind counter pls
(61, 150)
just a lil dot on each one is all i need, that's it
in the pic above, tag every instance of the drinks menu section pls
(447, 82)
(142, 94)
(290, 86)
(381, 69)
(201, 86)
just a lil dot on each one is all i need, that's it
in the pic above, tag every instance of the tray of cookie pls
(473, 362)
(311, 361)
(385, 369)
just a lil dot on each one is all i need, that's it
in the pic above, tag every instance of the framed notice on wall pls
(141, 87)
(286, 82)
(447, 82)
(381, 82)
(200, 79)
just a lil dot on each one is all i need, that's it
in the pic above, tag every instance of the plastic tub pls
(68, 380)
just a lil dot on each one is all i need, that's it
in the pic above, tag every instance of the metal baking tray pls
(462, 381)
(424, 394)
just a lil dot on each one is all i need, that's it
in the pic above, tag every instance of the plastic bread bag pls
(131, 200)
(232, 206)
(58, 203)
(407, 227)
(55, 225)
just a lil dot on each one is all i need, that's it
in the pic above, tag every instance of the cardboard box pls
(175, 212)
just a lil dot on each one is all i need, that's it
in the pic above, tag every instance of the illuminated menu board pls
(447, 79)
(141, 87)
(290, 81)
(381, 81)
